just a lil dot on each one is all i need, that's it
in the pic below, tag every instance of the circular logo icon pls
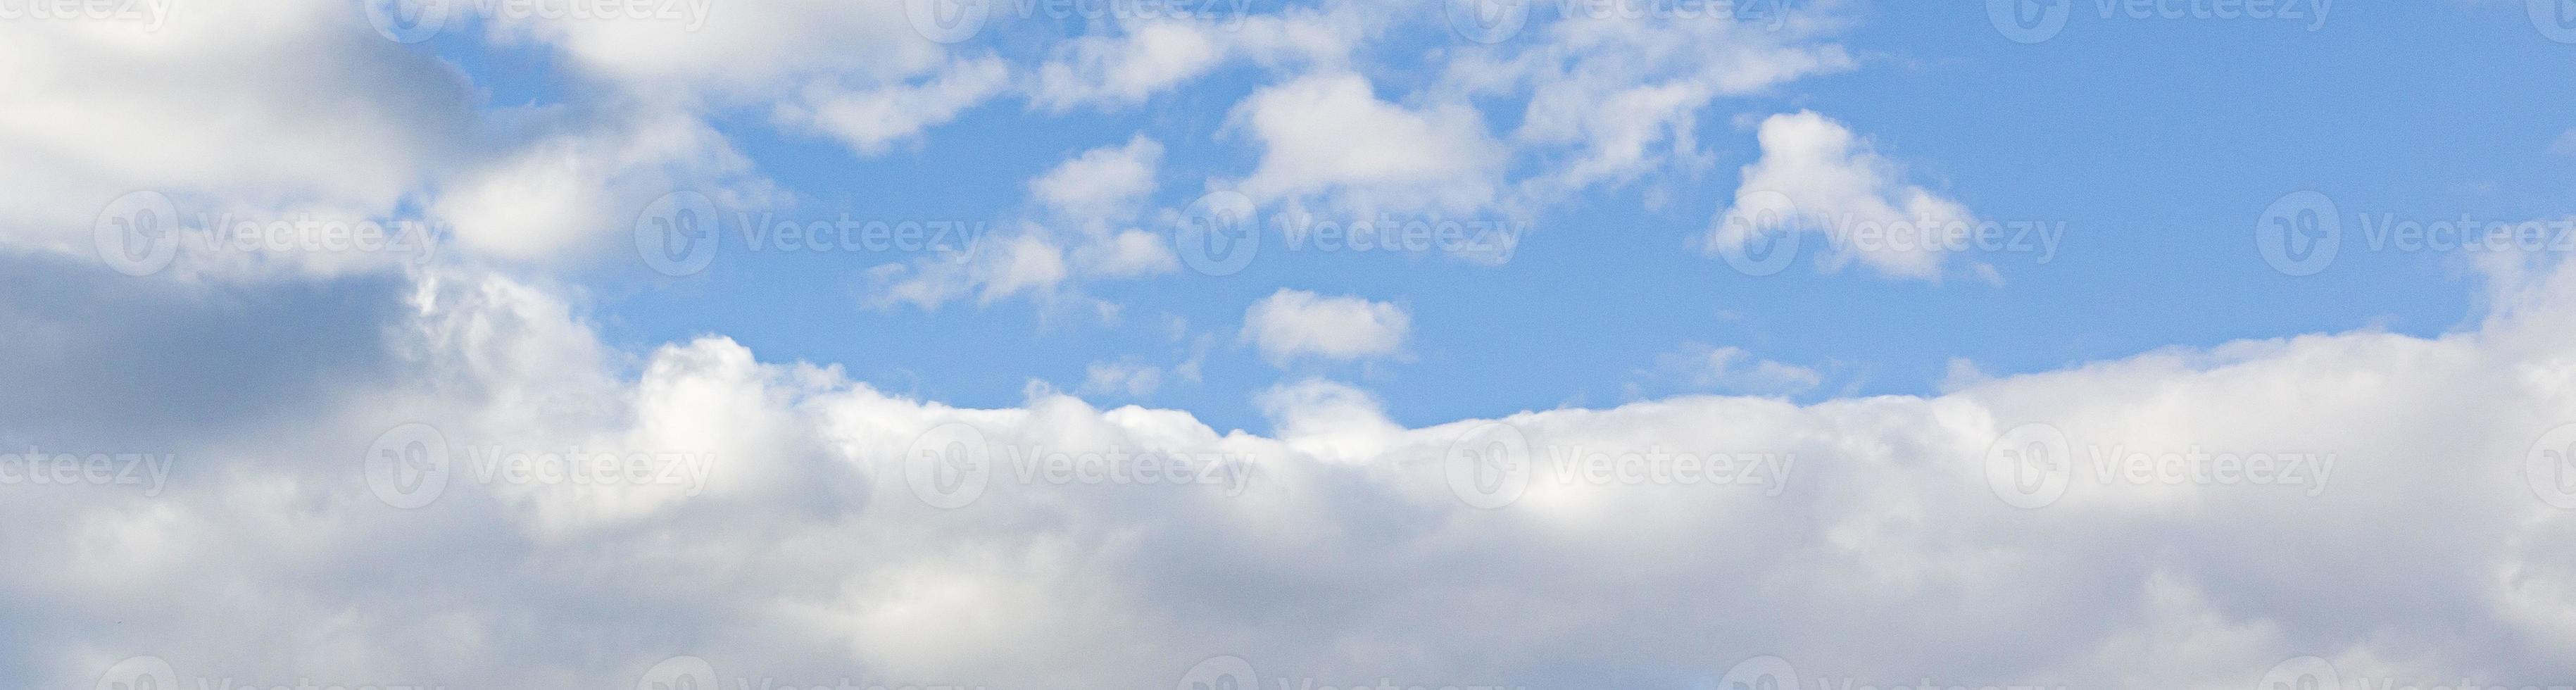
(1487, 21)
(1759, 236)
(407, 21)
(2550, 466)
(948, 465)
(1220, 673)
(1490, 466)
(947, 21)
(2029, 466)
(2299, 233)
(2555, 18)
(408, 465)
(1218, 234)
(2303, 673)
(1764, 672)
(676, 234)
(679, 673)
(140, 673)
(2029, 21)
(138, 234)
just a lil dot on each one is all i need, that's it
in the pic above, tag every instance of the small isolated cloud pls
(1329, 136)
(1104, 181)
(1733, 370)
(1836, 183)
(1290, 324)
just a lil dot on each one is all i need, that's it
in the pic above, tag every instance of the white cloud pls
(260, 108)
(807, 533)
(1328, 136)
(1612, 98)
(1837, 183)
(1149, 59)
(1292, 324)
(1104, 182)
(872, 120)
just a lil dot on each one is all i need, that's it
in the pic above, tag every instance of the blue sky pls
(2155, 142)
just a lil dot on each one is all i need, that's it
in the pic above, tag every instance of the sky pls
(1347, 344)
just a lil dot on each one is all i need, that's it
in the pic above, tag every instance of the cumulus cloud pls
(1292, 324)
(1106, 181)
(1837, 186)
(1859, 538)
(1328, 137)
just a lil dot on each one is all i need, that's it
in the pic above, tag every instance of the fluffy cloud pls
(1834, 183)
(1106, 181)
(1290, 324)
(1859, 538)
(1329, 137)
